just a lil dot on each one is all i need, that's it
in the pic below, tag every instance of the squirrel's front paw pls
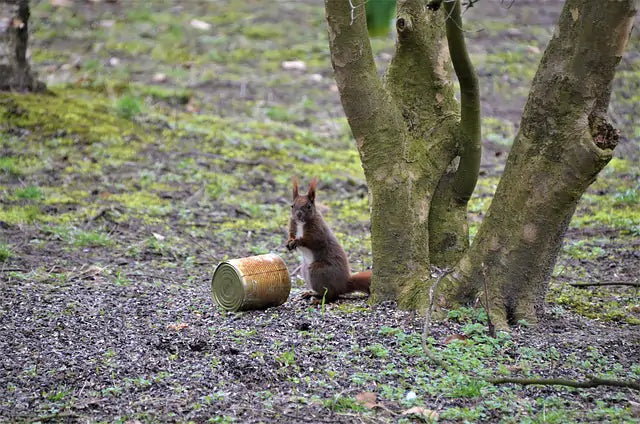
(292, 244)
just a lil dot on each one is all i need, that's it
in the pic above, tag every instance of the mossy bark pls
(563, 143)
(15, 72)
(421, 158)
(404, 126)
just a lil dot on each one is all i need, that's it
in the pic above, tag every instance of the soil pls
(93, 334)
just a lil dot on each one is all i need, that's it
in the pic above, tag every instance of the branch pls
(366, 105)
(467, 174)
(492, 328)
(427, 319)
(618, 283)
(584, 384)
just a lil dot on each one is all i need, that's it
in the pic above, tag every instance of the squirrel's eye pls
(308, 205)
(292, 206)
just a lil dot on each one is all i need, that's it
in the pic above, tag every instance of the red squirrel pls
(325, 266)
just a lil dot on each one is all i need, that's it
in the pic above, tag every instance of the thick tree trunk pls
(15, 73)
(408, 134)
(564, 141)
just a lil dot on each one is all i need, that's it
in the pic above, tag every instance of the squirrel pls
(325, 267)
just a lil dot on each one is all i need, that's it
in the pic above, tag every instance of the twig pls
(591, 382)
(492, 328)
(353, 10)
(427, 319)
(12, 270)
(608, 283)
(152, 276)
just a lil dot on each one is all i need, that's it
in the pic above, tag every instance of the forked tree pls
(420, 151)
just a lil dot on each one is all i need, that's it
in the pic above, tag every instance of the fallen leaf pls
(201, 25)
(114, 61)
(178, 327)
(422, 412)
(534, 49)
(367, 399)
(158, 237)
(411, 395)
(159, 77)
(439, 98)
(294, 65)
(192, 106)
(453, 337)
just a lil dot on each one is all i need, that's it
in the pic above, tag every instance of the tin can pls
(255, 282)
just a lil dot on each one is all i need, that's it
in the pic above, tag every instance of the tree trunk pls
(563, 143)
(15, 73)
(408, 133)
(421, 158)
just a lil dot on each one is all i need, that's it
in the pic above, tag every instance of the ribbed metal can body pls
(256, 282)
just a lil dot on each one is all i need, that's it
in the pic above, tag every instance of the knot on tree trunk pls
(403, 24)
(605, 136)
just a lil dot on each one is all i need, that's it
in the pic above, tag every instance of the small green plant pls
(324, 299)
(57, 395)
(221, 419)
(287, 359)
(128, 106)
(378, 350)
(121, 279)
(9, 165)
(90, 239)
(628, 197)
(30, 192)
(343, 404)
(240, 335)
(5, 252)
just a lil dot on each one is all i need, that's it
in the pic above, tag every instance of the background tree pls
(420, 150)
(15, 72)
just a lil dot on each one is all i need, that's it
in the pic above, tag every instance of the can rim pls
(236, 299)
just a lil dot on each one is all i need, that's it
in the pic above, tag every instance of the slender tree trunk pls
(15, 73)
(564, 141)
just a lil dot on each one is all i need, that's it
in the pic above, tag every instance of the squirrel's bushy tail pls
(360, 281)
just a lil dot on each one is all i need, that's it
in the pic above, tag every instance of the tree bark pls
(15, 72)
(407, 132)
(420, 151)
(563, 143)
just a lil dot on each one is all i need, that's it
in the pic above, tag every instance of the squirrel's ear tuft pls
(295, 187)
(311, 194)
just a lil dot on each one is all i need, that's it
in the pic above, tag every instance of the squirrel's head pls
(303, 207)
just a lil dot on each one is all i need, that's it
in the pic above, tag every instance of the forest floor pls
(167, 145)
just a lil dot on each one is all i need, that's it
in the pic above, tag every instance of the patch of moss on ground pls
(596, 303)
(15, 215)
(83, 114)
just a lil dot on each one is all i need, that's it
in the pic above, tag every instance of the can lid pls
(227, 288)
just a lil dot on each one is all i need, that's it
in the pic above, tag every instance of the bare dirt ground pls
(168, 147)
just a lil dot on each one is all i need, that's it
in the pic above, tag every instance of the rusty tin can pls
(255, 282)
